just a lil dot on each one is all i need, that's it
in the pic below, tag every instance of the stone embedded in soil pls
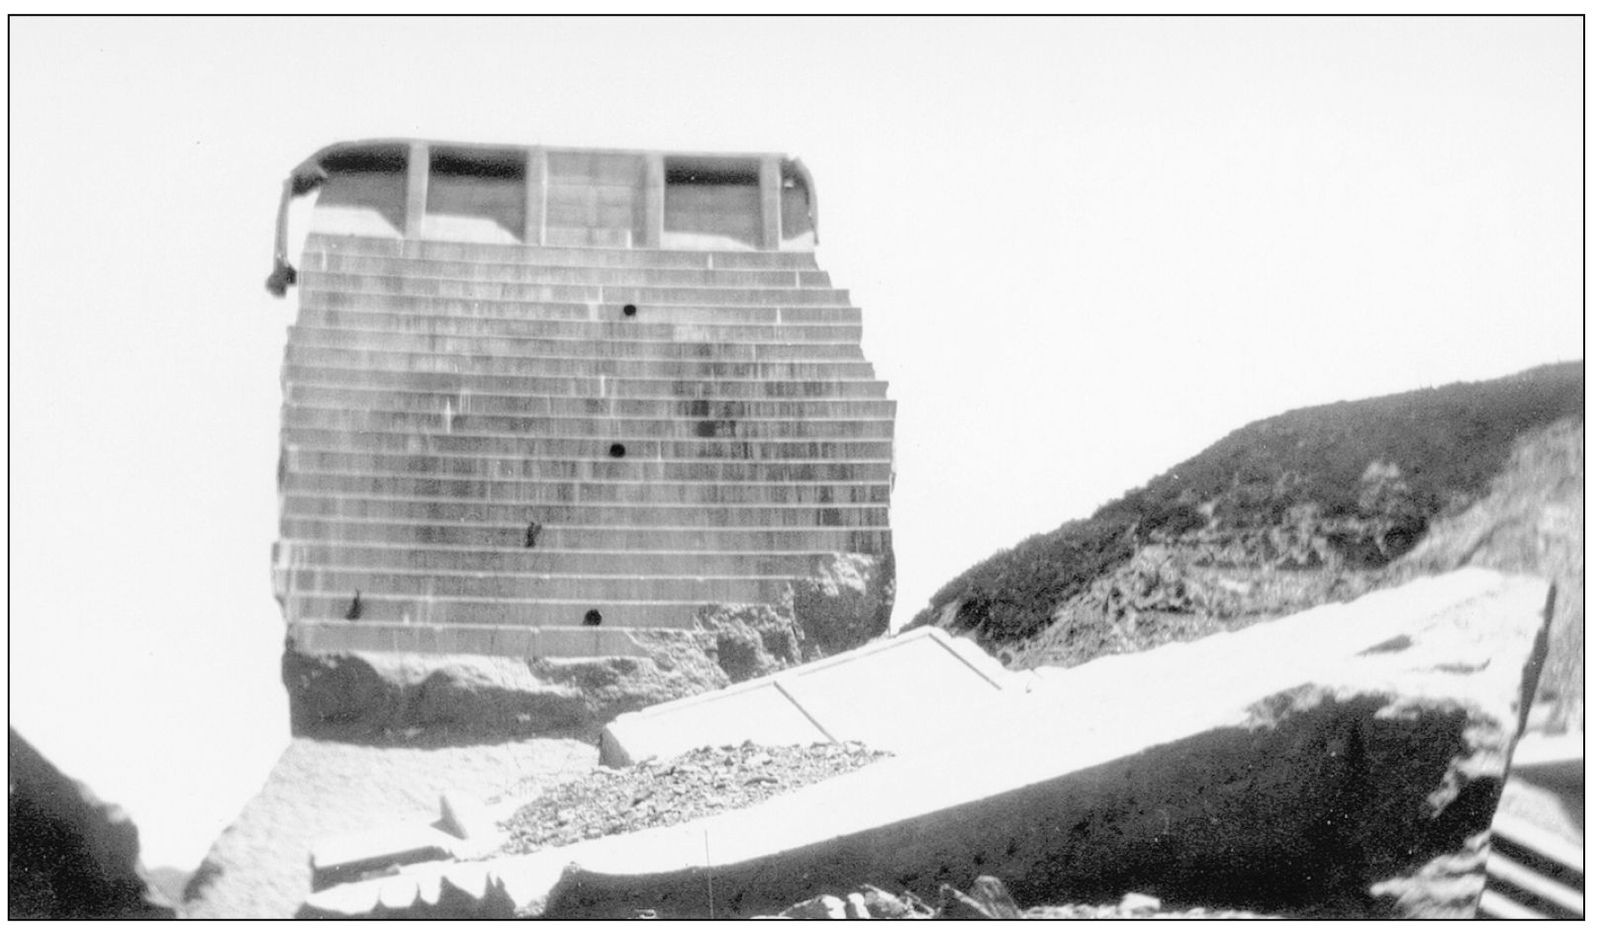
(653, 794)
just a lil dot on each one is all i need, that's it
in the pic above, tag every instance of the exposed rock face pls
(71, 855)
(472, 695)
(845, 602)
(1341, 763)
(751, 641)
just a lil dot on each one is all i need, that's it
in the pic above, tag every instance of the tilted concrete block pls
(1342, 762)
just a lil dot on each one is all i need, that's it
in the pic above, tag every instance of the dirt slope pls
(1315, 505)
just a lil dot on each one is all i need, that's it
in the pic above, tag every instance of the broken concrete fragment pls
(956, 905)
(992, 895)
(1287, 768)
(1138, 903)
(350, 856)
(883, 906)
(823, 907)
(465, 819)
(857, 909)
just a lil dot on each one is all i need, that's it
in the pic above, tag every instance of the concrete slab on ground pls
(894, 694)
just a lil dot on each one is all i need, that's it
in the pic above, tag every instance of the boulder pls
(70, 854)
(823, 907)
(988, 899)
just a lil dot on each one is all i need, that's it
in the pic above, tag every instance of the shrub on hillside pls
(1370, 474)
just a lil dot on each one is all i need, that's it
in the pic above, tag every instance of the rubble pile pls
(988, 899)
(696, 784)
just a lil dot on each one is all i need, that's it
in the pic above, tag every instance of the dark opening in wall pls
(365, 192)
(629, 310)
(475, 194)
(592, 617)
(615, 451)
(711, 203)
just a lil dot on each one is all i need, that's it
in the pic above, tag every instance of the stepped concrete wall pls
(529, 388)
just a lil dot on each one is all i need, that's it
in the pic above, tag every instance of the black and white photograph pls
(810, 467)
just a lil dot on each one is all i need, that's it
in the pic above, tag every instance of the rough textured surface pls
(1313, 506)
(70, 855)
(751, 641)
(356, 694)
(696, 784)
(1529, 522)
(845, 602)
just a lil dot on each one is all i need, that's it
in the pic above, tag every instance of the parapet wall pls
(533, 388)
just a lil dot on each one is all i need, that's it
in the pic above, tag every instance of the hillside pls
(1311, 506)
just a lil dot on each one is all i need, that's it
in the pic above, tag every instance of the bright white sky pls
(1085, 249)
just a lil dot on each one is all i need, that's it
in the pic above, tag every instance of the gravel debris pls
(696, 784)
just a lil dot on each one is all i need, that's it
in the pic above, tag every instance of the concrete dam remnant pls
(537, 399)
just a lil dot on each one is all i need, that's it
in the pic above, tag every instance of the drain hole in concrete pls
(617, 450)
(592, 617)
(629, 310)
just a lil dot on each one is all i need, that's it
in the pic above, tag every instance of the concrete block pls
(1342, 762)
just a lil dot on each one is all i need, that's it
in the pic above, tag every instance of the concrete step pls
(1496, 906)
(1532, 873)
(523, 493)
(531, 273)
(591, 537)
(379, 608)
(585, 386)
(1533, 887)
(587, 426)
(559, 348)
(445, 251)
(311, 460)
(619, 326)
(511, 586)
(541, 559)
(542, 504)
(547, 641)
(647, 312)
(297, 354)
(509, 523)
(568, 405)
(476, 289)
(585, 448)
